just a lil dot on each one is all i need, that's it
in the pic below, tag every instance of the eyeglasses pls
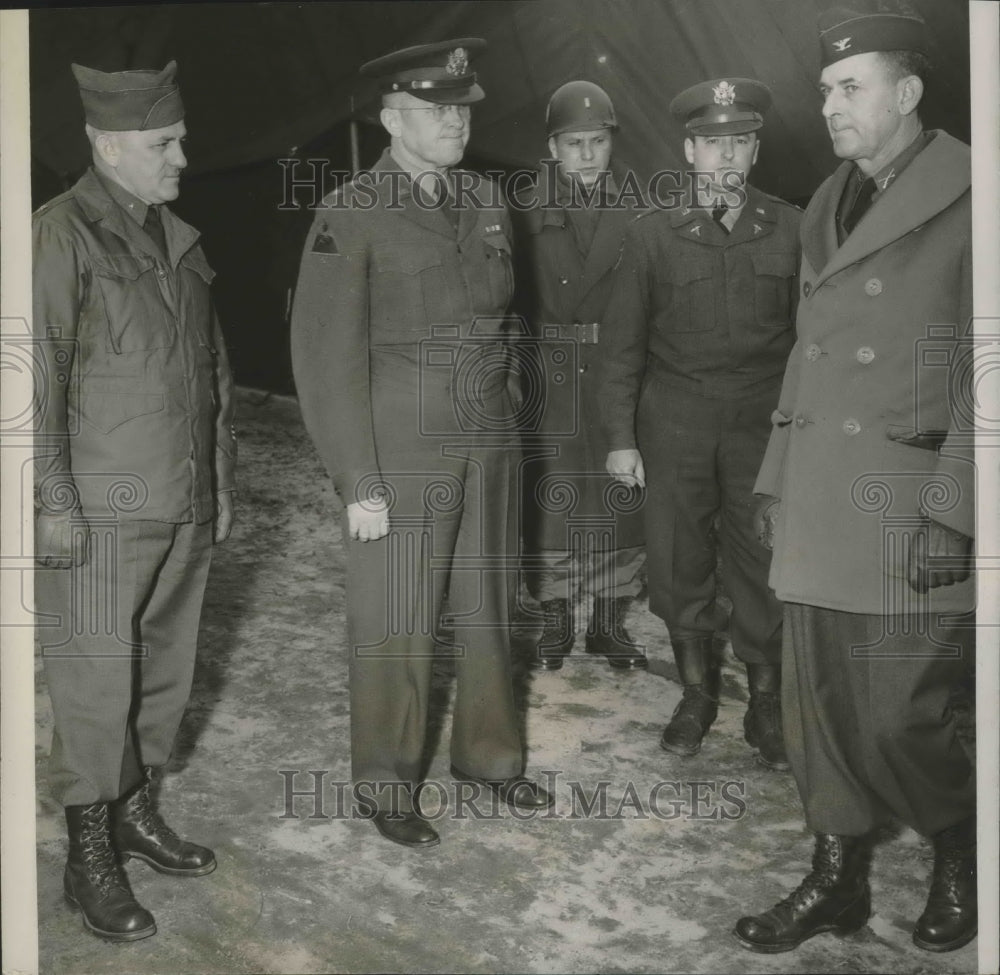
(440, 112)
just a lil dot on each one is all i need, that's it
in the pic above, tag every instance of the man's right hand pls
(626, 466)
(764, 519)
(367, 521)
(61, 540)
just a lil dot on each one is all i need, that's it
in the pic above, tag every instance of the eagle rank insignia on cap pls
(458, 62)
(725, 93)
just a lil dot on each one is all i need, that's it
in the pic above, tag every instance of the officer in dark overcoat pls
(700, 326)
(399, 350)
(871, 482)
(571, 227)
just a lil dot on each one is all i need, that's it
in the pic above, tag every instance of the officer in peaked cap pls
(568, 244)
(701, 322)
(728, 106)
(398, 316)
(136, 394)
(873, 655)
(436, 72)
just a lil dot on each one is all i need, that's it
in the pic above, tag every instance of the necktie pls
(860, 206)
(154, 228)
(718, 213)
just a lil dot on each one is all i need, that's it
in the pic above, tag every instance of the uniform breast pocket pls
(774, 284)
(136, 310)
(499, 269)
(197, 280)
(691, 300)
(406, 288)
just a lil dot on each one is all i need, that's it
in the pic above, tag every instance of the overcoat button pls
(807, 288)
(852, 427)
(564, 280)
(866, 354)
(583, 368)
(813, 352)
(873, 287)
(800, 421)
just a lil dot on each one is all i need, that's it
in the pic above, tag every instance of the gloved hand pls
(764, 520)
(62, 539)
(940, 556)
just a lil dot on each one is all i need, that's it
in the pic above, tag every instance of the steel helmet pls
(579, 106)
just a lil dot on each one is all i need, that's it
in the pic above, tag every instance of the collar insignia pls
(458, 62)
(885, 181)
(760, 211)
(757, 228)
(725, 93)
(696, 230)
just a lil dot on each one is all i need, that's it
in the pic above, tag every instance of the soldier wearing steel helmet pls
(570, 234)
(700, 326)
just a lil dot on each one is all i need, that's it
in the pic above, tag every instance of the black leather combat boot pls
(557, 638)
(762, 725)
(697, 709)
(833, 897)
(95, 882)
(606, 635)
(950, 919)
(139, 831)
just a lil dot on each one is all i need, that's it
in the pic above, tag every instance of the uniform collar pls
(758, 209)
(129, 202)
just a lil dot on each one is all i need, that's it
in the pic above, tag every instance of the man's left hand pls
(223, 516)
(942, 545)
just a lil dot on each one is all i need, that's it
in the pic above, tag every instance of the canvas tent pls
(264, 82)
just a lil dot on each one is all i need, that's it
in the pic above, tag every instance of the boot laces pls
(97, 853)
(146, 818)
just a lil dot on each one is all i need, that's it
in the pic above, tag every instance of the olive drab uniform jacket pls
(387, 300)
(136, 400)
(710, 312)
(563, 289)
(874, 420)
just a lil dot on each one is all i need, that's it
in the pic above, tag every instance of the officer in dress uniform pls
(571, 231)
(871, 485)
(700, 326)
(398, 350)
(135, 460)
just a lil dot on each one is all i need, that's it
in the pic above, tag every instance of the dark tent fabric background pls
(266, 82)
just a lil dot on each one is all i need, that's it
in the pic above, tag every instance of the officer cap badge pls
(458, 62)
(725, 93)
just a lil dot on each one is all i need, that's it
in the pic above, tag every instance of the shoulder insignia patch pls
(323, 242)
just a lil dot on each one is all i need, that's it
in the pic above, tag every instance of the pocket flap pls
(107, 410)
(407, 259)
(123, 266)
(775, 264)
(195, 260)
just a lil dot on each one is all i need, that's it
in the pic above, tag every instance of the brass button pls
(866, 354)
(800, 421)
(807, 288)
(873, 287)
(852, 427)
(584, 367)
(564, 280)
(813, 352)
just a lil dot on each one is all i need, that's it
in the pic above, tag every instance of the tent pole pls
(355, 157)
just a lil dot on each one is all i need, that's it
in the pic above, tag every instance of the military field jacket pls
(134, 395)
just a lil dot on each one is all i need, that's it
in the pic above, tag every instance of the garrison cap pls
(434, 72)
(726, 106)
(845, 31)
(124, 101)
